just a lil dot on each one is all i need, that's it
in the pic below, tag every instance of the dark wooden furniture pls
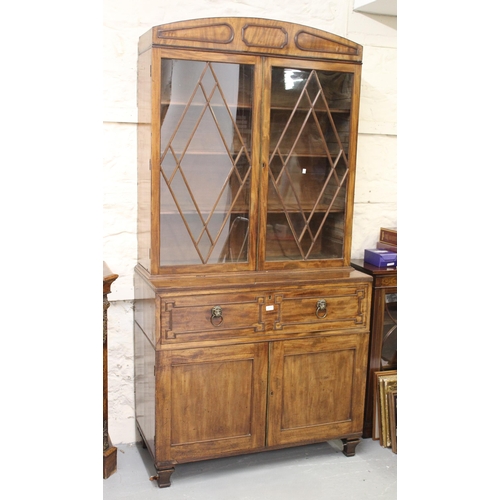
(251, 328)
(109, 451)
(383, 339)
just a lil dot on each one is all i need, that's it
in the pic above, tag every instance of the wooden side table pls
(383, 331)
(109, 451)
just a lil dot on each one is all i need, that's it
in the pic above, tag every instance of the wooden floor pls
(313, 472)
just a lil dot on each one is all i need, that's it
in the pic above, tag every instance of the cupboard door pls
(389, 320)
(316, 388)
(311, 162)
(205, 162)
(211, 401)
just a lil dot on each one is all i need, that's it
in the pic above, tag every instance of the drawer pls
(322, 309)
(386, 281)
(211, 316)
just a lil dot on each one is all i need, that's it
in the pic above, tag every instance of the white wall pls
(376, 182)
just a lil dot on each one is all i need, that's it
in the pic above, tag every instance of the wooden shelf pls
(248, 106)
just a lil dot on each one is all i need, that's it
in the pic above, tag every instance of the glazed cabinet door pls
(312, 116)
(210, 401)
(316, 389)
(389, 324)
(205, 161)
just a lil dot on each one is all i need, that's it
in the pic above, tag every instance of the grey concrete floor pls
(313, 472)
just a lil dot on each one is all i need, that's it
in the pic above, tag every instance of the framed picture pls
(392, 397)
(385, 381)
(376, 411)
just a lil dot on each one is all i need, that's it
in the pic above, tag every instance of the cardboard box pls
(381, 258)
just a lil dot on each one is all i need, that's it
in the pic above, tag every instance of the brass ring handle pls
(321, 306)
(217, 314)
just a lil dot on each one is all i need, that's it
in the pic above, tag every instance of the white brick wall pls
(375, 200)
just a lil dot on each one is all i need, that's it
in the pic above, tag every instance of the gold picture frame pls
(392, 397)
(385, 381)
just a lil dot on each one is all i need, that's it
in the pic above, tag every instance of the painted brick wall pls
(376, 181)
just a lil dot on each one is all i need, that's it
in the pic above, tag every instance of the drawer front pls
(327, 308)
(211, 316)
(386, 281)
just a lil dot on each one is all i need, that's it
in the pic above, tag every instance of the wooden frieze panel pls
(385, 281)
(203, 33)
(309, 41)
(260, 35)
(255, 36)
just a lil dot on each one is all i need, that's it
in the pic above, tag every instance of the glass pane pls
(390, 338)
(206, 123)
(308, 164)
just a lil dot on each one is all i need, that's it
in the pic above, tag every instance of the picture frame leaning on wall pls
(385, 381)
(392, 398)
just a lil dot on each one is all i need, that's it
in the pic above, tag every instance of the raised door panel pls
(144, 307)
(253, 35)
(144, 361)
(211, 402)
(316, 388)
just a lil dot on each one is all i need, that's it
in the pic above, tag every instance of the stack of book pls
(385, 255)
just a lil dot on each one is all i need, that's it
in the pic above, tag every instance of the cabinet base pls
(163, 476)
